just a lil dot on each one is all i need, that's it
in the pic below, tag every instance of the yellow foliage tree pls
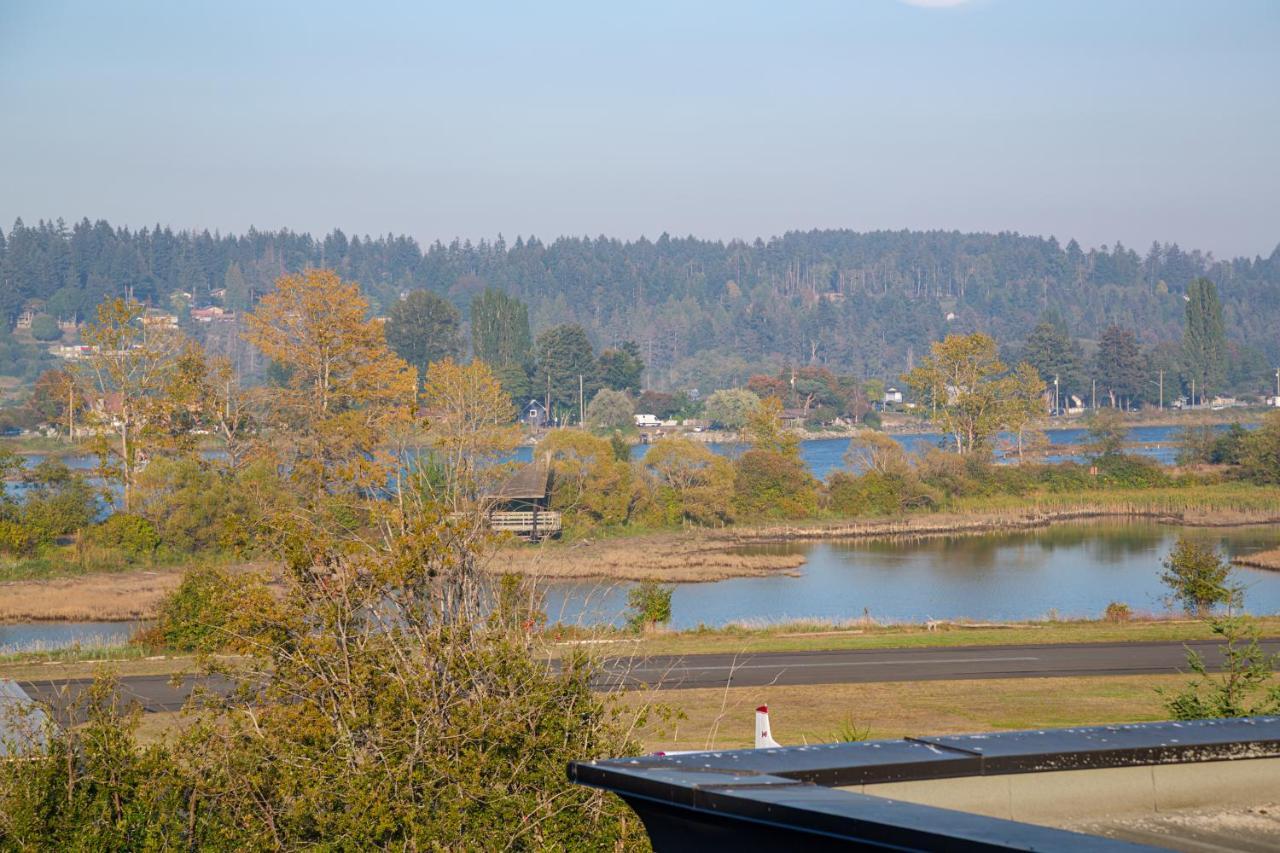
(589, 482)
(134, 368)
(689, 482)
(965, 389)
(471, 425)
(346, 392)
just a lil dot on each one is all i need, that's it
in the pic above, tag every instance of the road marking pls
(677, 668)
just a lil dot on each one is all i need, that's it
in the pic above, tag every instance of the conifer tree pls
(1204, 344)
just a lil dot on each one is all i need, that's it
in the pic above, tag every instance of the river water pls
(1067, 570)
(825, 455)
(45, 636)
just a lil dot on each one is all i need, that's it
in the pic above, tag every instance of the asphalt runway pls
(758, 669)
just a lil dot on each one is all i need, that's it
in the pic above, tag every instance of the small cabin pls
(534, 414)
(520, 505)
(647, 421)
(793, 418)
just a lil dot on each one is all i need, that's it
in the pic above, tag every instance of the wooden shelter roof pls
(528, 483)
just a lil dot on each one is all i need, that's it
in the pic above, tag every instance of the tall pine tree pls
(1204, 340)
(500, 329)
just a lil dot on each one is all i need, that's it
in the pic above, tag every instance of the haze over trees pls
(703, 314)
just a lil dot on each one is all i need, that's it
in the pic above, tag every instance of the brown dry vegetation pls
(116, 596)
(944, 524)
(663, 557)
(1261, 560)
(107, 597)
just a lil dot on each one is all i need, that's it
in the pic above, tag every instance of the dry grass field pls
(725, 719)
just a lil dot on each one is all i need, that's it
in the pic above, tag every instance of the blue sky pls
(1097, 120)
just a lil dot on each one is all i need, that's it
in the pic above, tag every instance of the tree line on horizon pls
(702, 314)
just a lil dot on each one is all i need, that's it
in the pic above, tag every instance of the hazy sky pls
(1095, 120)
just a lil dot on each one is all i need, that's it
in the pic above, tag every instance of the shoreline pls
(711, 554)
(1268, 560)
(700, 555)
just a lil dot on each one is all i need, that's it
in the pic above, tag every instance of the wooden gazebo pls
(520, 504)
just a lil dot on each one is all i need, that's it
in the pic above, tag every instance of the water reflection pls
(1074, 570)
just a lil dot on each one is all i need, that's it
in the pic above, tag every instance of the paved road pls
(967, 662)
(158, 693)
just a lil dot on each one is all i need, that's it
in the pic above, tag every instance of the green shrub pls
(45, 328)
(16, 539)
(1260, 452)
(1198, 578)
(877, 493)
(1245, 688)
(649, 605)
(198, 615)
(1126, 471)
(769, 484)
(132, 534)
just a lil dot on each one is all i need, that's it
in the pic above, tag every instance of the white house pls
(892, 396)
(647, 421)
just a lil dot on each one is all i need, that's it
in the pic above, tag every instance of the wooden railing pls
(526, 523)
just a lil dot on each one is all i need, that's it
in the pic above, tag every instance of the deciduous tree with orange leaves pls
(343, 390)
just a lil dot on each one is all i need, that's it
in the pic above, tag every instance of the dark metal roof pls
(772, 799)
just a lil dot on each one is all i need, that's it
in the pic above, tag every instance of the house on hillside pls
(647, 421)
(534, 415)
(212, 314)
(892, 397)
(156, 319)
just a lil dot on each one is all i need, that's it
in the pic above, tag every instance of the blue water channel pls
(1067, 570)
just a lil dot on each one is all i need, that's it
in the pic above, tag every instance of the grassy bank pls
(725, 719)
(817, 636)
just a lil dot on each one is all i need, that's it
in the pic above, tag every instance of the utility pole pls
(1093, 397)
(1162, 390)
(1193, 393)
(582, 412)
(1057, 406)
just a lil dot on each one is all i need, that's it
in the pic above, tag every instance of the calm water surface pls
(1073, 569)
(43, 636)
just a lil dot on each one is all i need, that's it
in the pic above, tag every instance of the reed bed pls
(1207, 506)
(1261, 560)
(124, 596)
(672, 558)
